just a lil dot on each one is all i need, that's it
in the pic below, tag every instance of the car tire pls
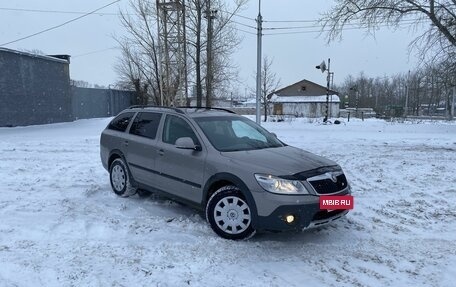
(119, 177)
(229, 214)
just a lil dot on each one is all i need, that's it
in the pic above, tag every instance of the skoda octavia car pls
(238, 173)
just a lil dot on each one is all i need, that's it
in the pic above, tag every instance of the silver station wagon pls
(242, 176)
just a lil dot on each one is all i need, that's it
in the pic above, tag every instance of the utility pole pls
(357, 101)
(407, 94)
(453, 102)
(331, 74)
(328, 80)
(355, 89)
(210, 14)
(259, 56)
(322, 67)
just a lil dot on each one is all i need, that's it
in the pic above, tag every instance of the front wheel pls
(120, 179)
(229, 214)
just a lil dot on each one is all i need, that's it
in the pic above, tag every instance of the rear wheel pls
(120, 179)
(229, 214)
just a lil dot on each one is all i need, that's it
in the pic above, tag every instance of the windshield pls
(236, 134)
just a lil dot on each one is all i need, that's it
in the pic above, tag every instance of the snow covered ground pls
(60, 224)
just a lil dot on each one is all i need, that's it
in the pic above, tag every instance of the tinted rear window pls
(120, 123)
(146, 125)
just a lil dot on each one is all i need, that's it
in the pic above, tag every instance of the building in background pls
(36, 89)
(303, 99)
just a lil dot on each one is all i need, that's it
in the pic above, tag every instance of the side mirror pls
(274, 135)
(186, 143)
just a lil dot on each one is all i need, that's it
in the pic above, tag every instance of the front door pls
(181, 171)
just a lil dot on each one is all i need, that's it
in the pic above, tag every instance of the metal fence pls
(97, 103)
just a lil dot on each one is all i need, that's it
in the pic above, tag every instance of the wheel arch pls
(223, 179)
(115, 154)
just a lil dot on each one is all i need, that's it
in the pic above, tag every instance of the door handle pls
(125, 143)
(161, 152)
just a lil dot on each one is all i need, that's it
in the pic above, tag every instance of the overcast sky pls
(90, 43)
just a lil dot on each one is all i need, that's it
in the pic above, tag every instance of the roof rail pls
(152, 106)
(207, 108)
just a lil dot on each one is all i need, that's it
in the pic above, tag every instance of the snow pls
(45, 57)
(60, 224)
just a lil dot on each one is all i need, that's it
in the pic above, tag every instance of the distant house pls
(304, 99)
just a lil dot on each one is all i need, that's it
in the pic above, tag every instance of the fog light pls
(290, 218)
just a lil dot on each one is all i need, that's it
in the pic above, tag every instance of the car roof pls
(189, 111)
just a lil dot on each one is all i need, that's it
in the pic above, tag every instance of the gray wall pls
(33, 89)
(97, 103)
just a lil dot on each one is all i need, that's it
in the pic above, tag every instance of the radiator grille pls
(328, 186)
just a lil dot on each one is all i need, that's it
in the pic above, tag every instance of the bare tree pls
(79, 83)
(133, 75)
(138, 65)
(438, 41)
(195, 41)
(429, 90)
(224, 42)
(269, 83)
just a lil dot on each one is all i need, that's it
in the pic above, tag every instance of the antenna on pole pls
(322, 67)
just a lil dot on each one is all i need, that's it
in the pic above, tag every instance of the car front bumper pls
(304, 209)
(305, 217)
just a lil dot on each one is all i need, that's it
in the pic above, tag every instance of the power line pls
(245, 25)
(55, 11)
(93, 52)
(225, 11)
(290, 21)
(325, 30)
(240, 30)
(60, 25)
(347, 26)
(101, 14)
(310, 21)
(241, 16)
(237, 15)
(400, 23)
(316, 23)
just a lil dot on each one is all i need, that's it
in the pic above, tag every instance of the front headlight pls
(279, 185)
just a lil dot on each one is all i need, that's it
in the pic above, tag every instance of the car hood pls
(279, 161)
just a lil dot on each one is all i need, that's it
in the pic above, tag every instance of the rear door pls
(113, 137)
(142, 147)
(181, 171)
